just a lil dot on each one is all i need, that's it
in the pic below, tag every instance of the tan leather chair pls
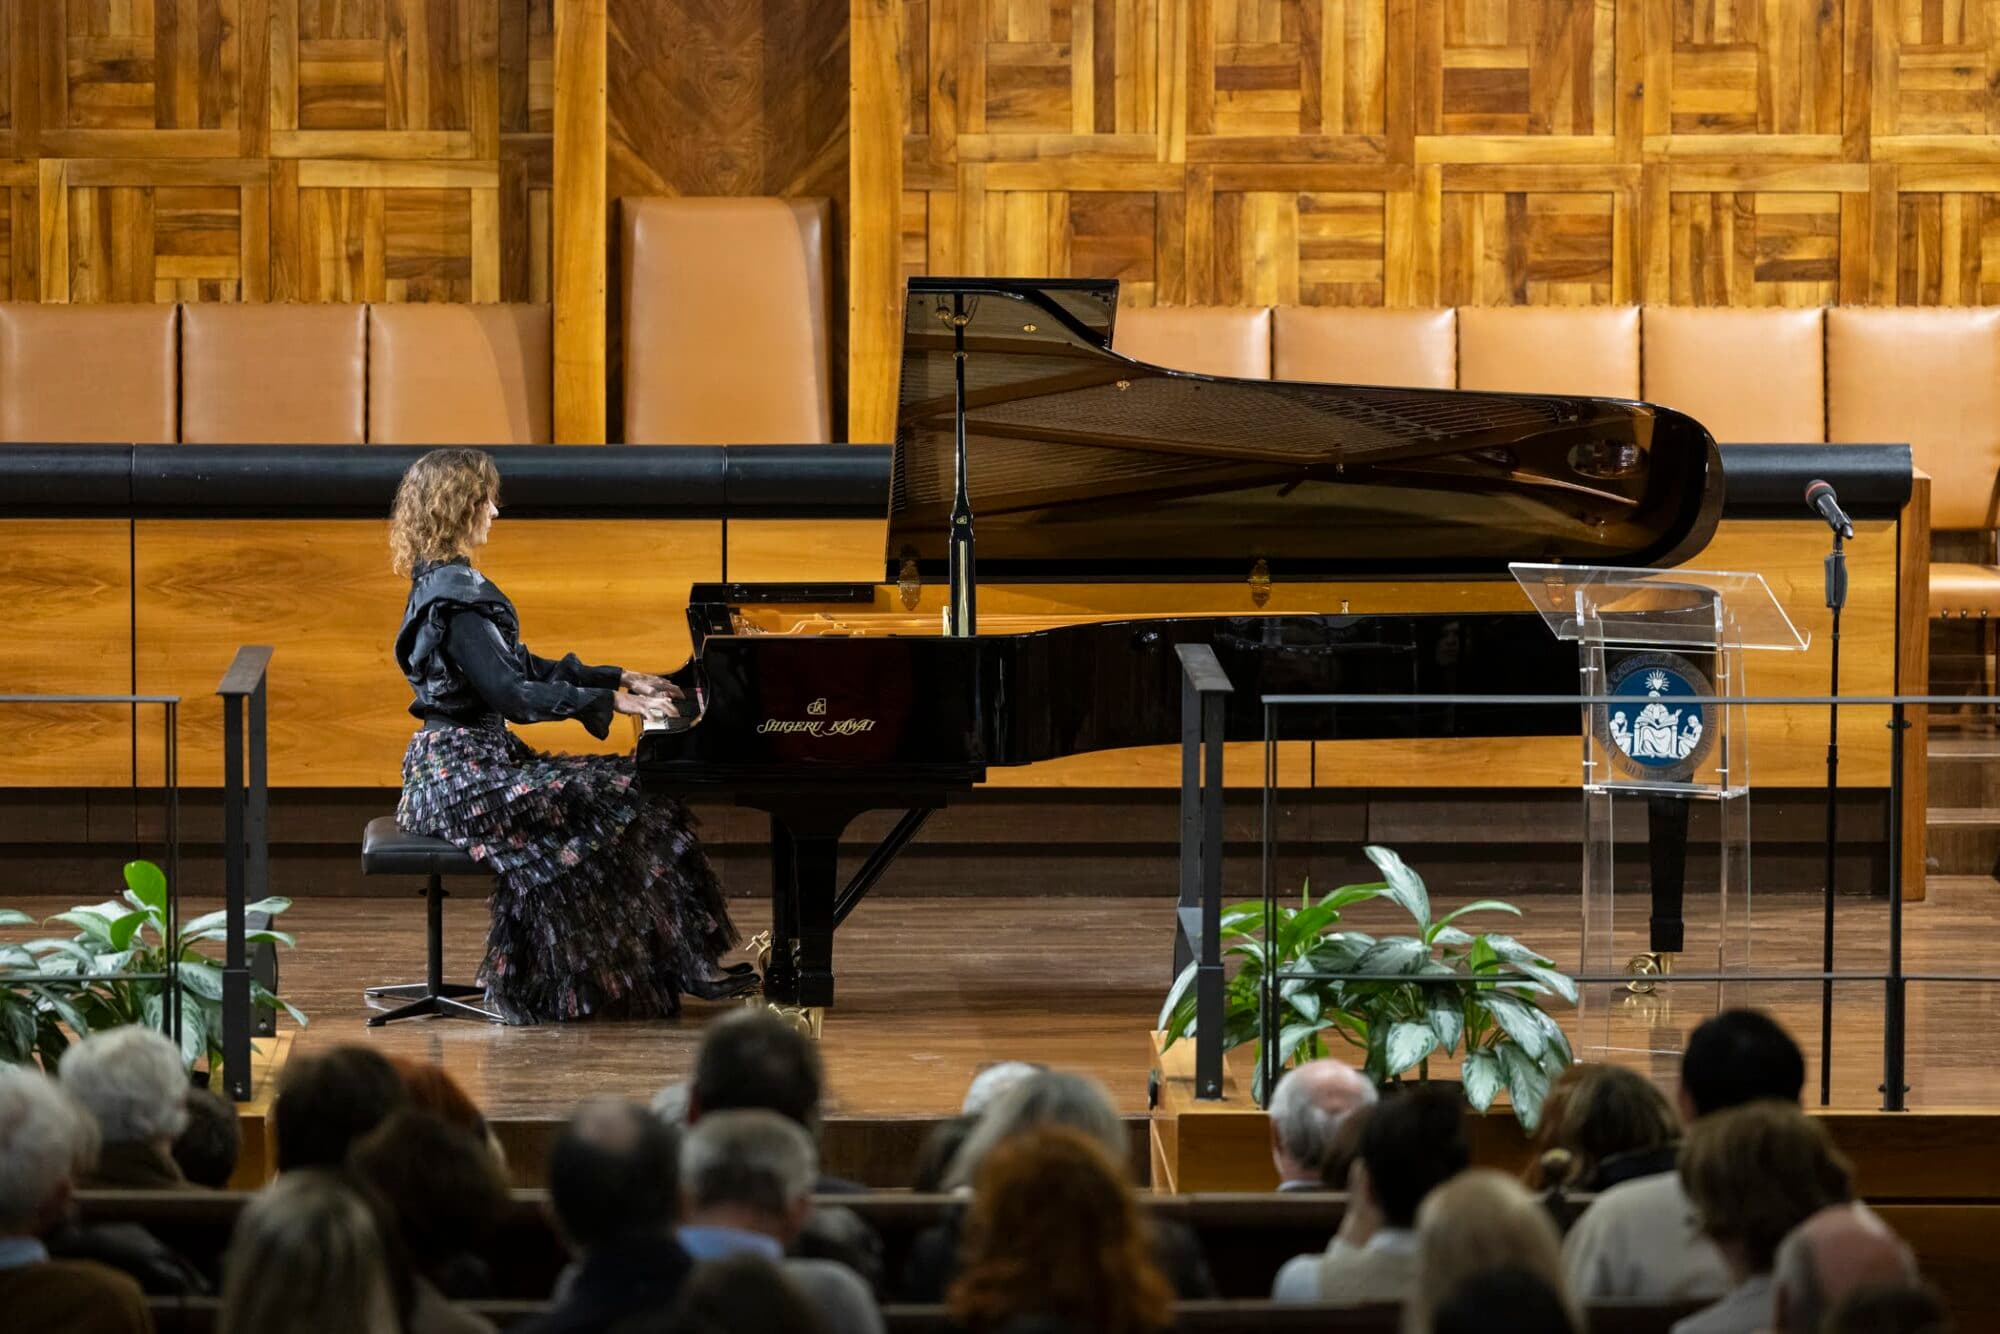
(88, 374)
(274, 374)
(1550, 349)
(1208, 340)
(1749, 376)
(1361, 345)
(1931, 377)
(726, 324)
(459, 375)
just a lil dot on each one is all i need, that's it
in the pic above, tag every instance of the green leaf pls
(1483, 1077)
(1397, 956)
(1527, 1084)
(94, 923)
(1447, 1018)
(204, 980)
(218, 921)
(85, 960)
(1174, 994)
(15, 917)
(125, 928)
(1450, 937)
(1478, 905)
(1348, 895)
(1307, 1003)
(1291, 1037)
(261, 996)
(1405, 886)
(1520, 1021)
(147, 884)
(1408, 1044)
(63, 1010)
(1554, 979)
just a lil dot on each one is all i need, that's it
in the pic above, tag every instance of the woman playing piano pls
(605, 903)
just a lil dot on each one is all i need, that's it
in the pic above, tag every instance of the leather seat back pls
(459, 375)
(1550, 349)
(726, 325)
(88, 374)
(1930, 377)
(1362, 345)
(1749, 376)
(274, 374)
(1208, 340)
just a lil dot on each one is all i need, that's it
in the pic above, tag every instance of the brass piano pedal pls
(759, 950)
(1641, 967)
(807, 1019)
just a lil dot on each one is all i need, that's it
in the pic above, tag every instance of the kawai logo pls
(816, 723)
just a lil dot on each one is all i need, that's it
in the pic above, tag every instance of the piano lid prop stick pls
(962, 619)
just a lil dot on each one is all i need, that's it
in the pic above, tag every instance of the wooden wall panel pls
(1427, 152)
(291, 150)
(67, 589)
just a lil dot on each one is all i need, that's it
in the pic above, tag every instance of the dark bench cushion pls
(387, 850)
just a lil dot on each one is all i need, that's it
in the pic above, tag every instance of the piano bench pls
(387, 850)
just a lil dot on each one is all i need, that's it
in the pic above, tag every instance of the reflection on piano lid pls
(1085, 464)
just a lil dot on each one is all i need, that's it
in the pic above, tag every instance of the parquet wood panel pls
(1438, 152)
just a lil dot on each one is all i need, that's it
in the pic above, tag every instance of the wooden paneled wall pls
(275, 150)
(1432, 152)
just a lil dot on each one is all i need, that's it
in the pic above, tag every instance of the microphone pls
(1819, 495)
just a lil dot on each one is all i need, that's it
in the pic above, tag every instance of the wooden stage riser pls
(1003, 843)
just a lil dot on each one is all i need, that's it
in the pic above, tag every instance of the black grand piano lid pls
(1085, 464)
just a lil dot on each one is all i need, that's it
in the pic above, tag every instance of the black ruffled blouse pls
(460, 647)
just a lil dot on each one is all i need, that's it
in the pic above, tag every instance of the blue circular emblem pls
(1658, 726)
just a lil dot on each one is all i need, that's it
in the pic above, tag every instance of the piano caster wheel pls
(1644, 966)
(807, 1019)
(759, 949)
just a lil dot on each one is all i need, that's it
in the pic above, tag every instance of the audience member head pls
(132, 1081)
(994, 1080)
(1049, 1098)
(1345, 1149)
(935, 1155)
(670, 1104)
(1507, 1300)
(613, 1174)
(1413, 1143)
(441, 1185)
(1737, 1057)
(1054, 1232)
(752, 1170)
(1753, 1173)
(1893, 1308)
(308, 1257)
(753, 1059)
(740, 1294)
(47, 1140)
(327, 1101)
(1838, 1249)
(1479, 1221)
(430, 1088)
(1311, 1101)
(1593, 1116)
(211, 1142)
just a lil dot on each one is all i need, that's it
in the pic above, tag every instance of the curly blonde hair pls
(438, 504)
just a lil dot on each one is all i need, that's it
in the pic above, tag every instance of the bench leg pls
(434, 995)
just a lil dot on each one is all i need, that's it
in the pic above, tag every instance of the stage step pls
(1961, 884)
(1961, 817)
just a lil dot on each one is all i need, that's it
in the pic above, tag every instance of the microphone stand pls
(962, 611)
(1836, 598)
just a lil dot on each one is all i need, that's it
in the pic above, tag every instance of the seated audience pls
(209, 1145)
(1508, 1300)
(993, 1081)
(1049, 1098)
(614, 1187)
(746, 1188)
(1413, 1142)
(430, 1088)
(934, 1157)
(752, 1060)
(1895, 1308)
(132, 1081)
(327, 1101)
(1602, 1125)
(1640, 1240)
(1054, 1237)
(1480, 1222)
(1754, 1173)
(1835, 1251)
(670, 1104)
(443, 1190)
(738, 1294)
(1311, 1102)
(44, 1138)
(308, 1257)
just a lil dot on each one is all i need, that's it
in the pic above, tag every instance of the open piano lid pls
(1085, 464)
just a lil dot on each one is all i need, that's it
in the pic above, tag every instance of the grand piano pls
(1022, 436)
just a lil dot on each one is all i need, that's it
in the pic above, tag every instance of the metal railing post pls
(246, 847)
(1204, 691)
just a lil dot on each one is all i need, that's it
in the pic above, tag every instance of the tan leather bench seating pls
(274, 374)
(88, 374)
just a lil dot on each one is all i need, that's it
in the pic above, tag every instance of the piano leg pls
(805, 857)
(1667, 840)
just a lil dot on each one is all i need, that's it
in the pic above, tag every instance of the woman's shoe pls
(728, 986)
(740, 969)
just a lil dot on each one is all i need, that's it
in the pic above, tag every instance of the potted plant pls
(36, 1000)
(1441, 992)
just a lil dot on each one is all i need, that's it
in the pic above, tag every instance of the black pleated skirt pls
(603, 900)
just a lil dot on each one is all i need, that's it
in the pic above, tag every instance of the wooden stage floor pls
(932, 989)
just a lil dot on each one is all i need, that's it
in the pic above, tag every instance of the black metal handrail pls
(1205, 688)
(246, 817)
